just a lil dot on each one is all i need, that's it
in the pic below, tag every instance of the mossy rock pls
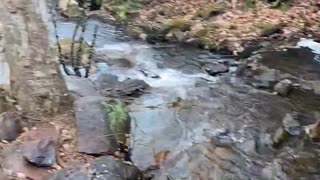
(123, 9)
(202, 33)
(134, 31)
(212, 10)
(268, 29)
(66, 50)
(280, 136)
(178, 24)
(250, 3)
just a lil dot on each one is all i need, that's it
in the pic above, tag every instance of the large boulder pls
(174, 136)
(94, 135)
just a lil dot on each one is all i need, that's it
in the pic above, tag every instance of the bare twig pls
(72, 45)
(91, 50)
(61, 58)
(79, 53)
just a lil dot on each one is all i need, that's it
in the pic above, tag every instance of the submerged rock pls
(283, 87)
(216, 69)
(280, 136)
(10, 126)
(267, 77)
(106, 81)
(94, 135)
(129, 87)
(291, 125)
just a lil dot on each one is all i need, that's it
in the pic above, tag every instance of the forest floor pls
(215, 24)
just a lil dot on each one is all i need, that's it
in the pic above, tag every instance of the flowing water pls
(210, 127)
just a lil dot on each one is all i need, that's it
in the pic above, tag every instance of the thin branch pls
(79, 53)
(61, 58)
(91, 50)
(73, 42)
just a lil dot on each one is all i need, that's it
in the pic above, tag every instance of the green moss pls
(268, 28)
(123, 8)
(204, 42)
(202, 33)
(281, 5)
(178, 24)
(117, 118)
(134, 31)
(250, 3)
(212, 10)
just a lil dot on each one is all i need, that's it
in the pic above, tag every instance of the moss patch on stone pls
(211, 10)
(117, 118)
(269, 28)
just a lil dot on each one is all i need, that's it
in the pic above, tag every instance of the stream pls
(207, 126)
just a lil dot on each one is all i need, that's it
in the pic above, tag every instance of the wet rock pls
(41, 153)
(129, 87)
(106, 81)
(216, 69)
(267, 77)
(148, 73)
(80, 87)
(316, 86)
(4, 76)
(274, 171)
(178, 35)
(280, 136)
(120, 62)
(291, 125)
(93, 136)
(283, 87)
(10, 126)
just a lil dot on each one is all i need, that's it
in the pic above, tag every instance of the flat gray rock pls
(93, 132)
(80, 87)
